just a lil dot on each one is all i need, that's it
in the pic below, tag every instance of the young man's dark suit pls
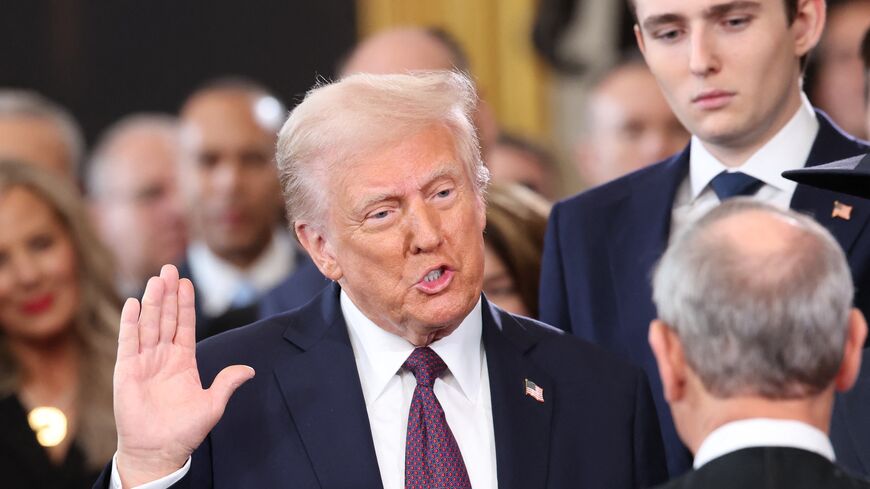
(302, 421)
(850, 423)
(601, 246)
(768, 468)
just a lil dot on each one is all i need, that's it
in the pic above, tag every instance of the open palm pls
(161, 410)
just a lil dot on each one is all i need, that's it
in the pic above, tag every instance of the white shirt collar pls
(217, 280)
(382, 353)
(787, 150)
(762, 432)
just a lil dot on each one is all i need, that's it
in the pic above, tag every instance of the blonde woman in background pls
(58, 329)
(516, 220)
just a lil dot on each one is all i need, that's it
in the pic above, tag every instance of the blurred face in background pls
(140, 214)
(39, 289)
(511, 164)
(839, 81)
(499, 286)
(630, 126)
(37, 140)
(229, 175)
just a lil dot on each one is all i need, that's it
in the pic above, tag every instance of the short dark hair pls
(865, 50)
(865, 55)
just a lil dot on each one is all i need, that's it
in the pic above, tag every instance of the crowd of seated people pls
(83, 228)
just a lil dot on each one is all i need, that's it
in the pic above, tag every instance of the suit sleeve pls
(553, 301)
(650, 466)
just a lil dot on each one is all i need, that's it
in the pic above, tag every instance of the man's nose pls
(227, 175)
(424, 228)
(703, 57)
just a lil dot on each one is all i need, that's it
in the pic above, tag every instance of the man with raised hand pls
(400, 374)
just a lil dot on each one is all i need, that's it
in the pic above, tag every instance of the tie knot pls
(426, 365)
(727, 185)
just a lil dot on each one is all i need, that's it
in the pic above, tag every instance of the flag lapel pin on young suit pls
(534, 391)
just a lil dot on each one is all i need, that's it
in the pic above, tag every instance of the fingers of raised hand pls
(169, 308)
(149, 316)
(128, 337)
(185, 334)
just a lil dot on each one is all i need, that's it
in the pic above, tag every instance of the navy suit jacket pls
(601, 246)
(850, 424)
(302, 421)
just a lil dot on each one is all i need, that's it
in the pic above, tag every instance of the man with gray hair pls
(132, 188)
(400, 374)
(756, 332)
(36, 130)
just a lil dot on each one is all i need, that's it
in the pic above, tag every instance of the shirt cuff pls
(162, 483)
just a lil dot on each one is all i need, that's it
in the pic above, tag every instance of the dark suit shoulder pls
(566, 355)
(768, 468)
(616, 190)
(257, 344)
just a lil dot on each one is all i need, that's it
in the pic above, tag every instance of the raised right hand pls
(161, 410)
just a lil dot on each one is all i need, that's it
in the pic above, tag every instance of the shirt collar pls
(218, 279)
(787, 150)
(380, 354)
(762, 432)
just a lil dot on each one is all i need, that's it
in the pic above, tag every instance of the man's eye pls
(734, 22)
(667, 35)
(379, 215)
(444, 193)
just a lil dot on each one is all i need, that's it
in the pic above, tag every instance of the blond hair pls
(96, 322)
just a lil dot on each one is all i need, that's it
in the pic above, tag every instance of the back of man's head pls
(36, 130)
(760, 299)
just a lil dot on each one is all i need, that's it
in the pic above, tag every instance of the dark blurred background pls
(105, 58)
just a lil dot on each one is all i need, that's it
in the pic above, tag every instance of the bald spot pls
(760, 237)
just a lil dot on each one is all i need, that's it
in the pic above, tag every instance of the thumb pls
(227, 381)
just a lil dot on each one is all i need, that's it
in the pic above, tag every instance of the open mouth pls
(435, 280)
(433, 275)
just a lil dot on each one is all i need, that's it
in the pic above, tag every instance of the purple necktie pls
(432, 457)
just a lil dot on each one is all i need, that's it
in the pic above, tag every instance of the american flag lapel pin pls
(842, 211)
(534, 391)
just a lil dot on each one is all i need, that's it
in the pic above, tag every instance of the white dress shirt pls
(787, 150)
(217, 281)
(463, 391)
(762, 432)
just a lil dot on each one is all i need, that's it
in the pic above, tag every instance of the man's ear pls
(668, 351)
(319, 249)
(852, 352)
(638, 35)
(808, 25)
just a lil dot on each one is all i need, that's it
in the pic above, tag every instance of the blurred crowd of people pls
(81, 228)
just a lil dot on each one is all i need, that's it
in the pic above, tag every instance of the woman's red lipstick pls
(38, 305)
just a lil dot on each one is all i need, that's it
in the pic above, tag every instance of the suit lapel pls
(641, 226)
(520, 423)
(832, 145)
(321, 388)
